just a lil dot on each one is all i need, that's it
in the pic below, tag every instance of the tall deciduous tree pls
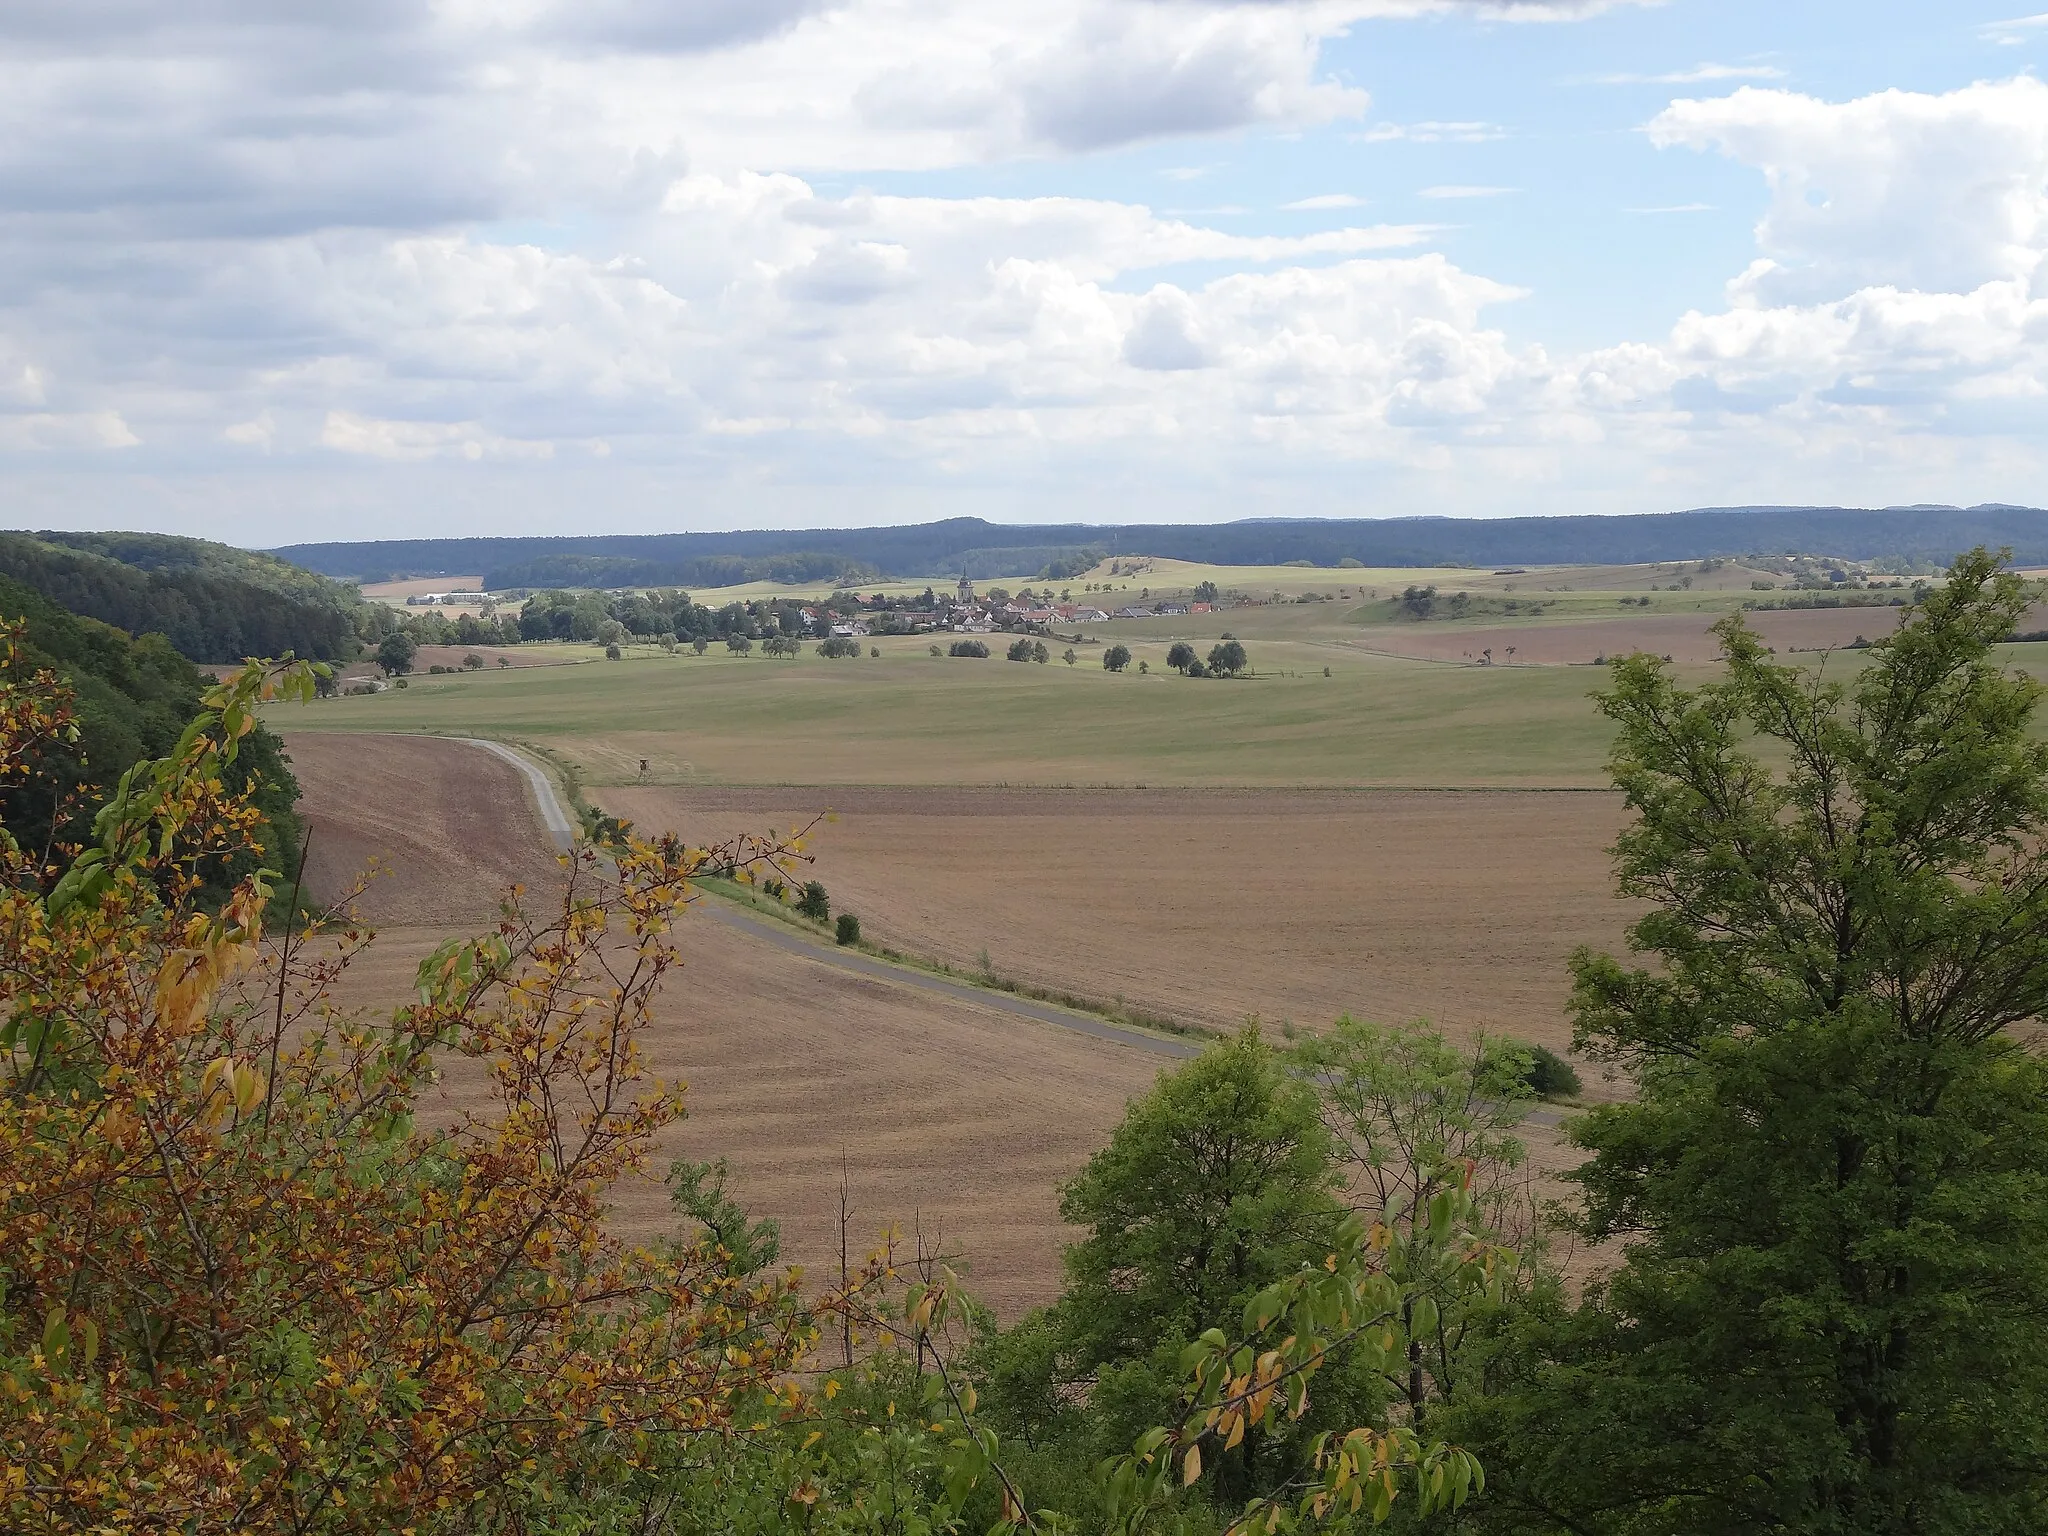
(1834, 1176)
(395, 653)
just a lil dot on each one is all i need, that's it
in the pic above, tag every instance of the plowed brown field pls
(954, 1117)
(449, 825)
(959, 1118)
(1460, 907)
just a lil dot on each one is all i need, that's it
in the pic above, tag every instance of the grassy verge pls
(1115, 1011)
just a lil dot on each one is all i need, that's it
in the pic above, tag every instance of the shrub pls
(814, 903)
(848, 929)
(875, 651)
(611, 653)
(1020, 649)
(937, 652)
(1194, 668)
(1068, 656)
(969, 648)
(472, 662)
(834, 646)
(1039, 653)
(1550, 1076)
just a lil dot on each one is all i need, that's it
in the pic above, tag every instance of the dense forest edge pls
(212, 603)
(1920, 538)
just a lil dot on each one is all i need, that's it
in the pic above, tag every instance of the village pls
(846, 614)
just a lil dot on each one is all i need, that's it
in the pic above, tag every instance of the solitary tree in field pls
(1068, 656)
(738, 644)
(1116, 658)
(1833, 1175)
(1180, 656)
(395, 653)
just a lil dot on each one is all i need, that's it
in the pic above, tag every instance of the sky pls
(282, 270)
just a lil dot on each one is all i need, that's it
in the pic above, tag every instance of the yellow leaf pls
(1192, 1467)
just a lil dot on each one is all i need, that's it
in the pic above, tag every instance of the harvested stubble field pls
(1213, 905)
(958, 1118)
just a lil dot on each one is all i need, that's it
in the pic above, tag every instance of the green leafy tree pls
(814, 903)
(1068, 656)
(1833, 1177)
(738, 644)
(1410, 1117)
(1020, 649)
(1116, 658)
(1205, 592)
(1217, 1184)
(1228, 656)
(1180, 656)
(395, 654)
(1039, 653)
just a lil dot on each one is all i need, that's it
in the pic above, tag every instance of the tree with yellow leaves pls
(243, 1290)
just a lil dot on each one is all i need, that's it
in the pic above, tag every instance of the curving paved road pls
(562, 829)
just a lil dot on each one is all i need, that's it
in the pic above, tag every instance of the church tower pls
(966, 595)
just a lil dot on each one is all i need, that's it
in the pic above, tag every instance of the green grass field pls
(905, 718)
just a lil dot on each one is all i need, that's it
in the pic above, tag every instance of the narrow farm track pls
(792, 942)
(560, 827)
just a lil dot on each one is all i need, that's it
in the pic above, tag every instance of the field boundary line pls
(555, 816)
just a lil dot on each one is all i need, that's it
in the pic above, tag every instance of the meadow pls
(907, 718)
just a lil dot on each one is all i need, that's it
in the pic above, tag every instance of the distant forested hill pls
(213, 603)
(983, 549)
